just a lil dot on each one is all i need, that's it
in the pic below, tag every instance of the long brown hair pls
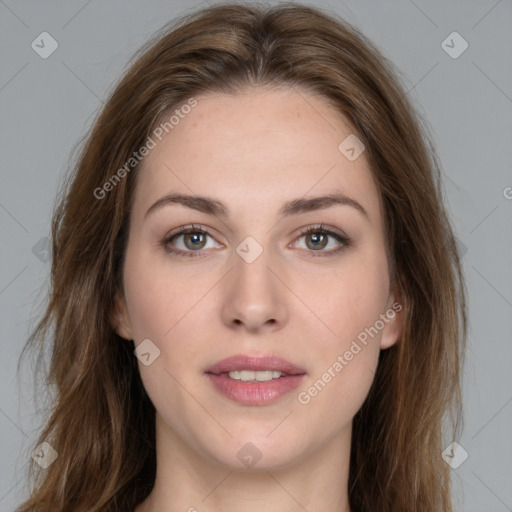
(102, 422)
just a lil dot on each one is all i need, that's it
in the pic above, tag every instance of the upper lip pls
(243, 362)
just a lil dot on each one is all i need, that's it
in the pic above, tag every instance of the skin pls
(254, 151)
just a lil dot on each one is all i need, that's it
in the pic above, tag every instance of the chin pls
(258, 451)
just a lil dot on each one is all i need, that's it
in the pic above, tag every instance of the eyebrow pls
(212, 206)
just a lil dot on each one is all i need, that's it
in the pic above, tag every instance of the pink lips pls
(255, 393)
(242, 362)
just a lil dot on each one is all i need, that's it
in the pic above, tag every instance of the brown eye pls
(189, 241)
(194, 240)
(318, 240)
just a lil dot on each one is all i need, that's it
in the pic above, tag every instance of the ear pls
(393, 318)
(119, 318)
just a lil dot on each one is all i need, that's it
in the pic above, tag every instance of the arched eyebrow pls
(212, 206)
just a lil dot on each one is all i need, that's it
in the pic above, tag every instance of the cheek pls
(163, 307)
(349, 304)
(347, 357)
(159, 299)
(350, 298)
(334, 397)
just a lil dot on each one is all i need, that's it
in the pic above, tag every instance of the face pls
(264, 271)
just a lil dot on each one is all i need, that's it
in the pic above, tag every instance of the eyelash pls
(345, 241)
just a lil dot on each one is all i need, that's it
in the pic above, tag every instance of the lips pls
(250, 392)
(242, 362)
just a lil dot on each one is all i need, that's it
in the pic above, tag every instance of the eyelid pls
(344, 240)
(187, 229)
(324, 228)
(183, 230)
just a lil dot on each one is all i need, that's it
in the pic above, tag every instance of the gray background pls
(47, 105)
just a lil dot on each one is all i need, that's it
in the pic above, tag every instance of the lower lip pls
(255, 393)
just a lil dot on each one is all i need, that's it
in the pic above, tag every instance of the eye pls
(193, 241)
(317, 239)
(189, 241)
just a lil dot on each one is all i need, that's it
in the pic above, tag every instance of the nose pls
(254, 295)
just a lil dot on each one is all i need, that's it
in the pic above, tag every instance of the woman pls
(257, 301)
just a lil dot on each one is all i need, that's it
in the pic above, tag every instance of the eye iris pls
(194, 237)
(316, 236)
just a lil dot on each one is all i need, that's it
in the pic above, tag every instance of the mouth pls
(258, 365)
(255, 380)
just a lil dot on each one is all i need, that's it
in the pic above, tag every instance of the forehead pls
(259, 146)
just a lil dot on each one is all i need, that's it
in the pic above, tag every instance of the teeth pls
(259, 376)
